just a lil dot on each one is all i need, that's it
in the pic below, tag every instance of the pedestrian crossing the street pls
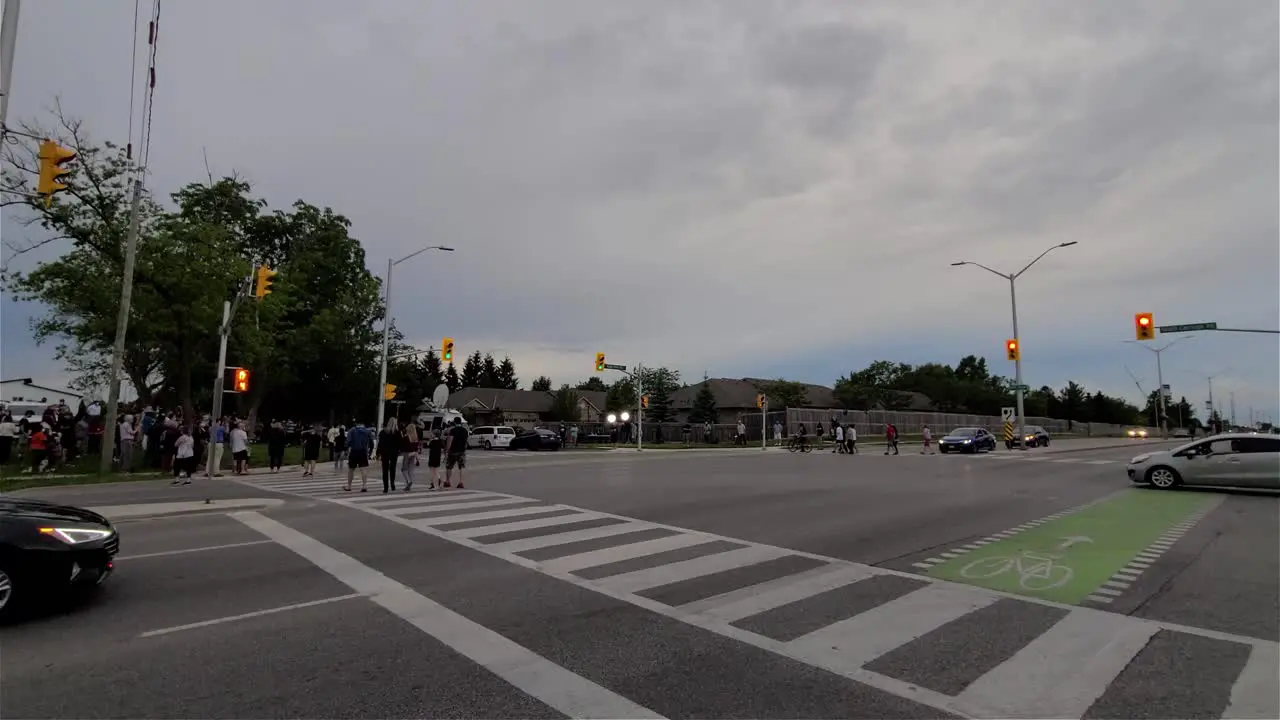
(954, 647)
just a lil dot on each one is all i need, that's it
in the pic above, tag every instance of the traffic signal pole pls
(218, 387)
(8, 44)
(122, 328)
(1017, 367)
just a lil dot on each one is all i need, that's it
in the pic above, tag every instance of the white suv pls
(491, 436)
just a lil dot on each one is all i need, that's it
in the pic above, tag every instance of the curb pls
(145, 511)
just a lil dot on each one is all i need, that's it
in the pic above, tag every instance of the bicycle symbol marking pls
(1036, 571)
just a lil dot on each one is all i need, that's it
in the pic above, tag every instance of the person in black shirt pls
(434, 447)
(455, 450)
(311, 439)
(389, 452)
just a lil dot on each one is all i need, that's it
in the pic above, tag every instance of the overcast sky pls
(741, 188)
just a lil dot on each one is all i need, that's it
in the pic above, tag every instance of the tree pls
(542, 383)
(784, 393)
(506, 375)
(621, 396)
(658, 384)
(1072, 398)
(489, 372)
(564, 405)
(594, 384)
(451, 378)
(704, 406)
(473, 370)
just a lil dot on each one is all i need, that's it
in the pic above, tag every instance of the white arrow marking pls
(1074, 540)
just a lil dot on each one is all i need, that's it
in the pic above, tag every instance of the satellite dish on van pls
(440, 396)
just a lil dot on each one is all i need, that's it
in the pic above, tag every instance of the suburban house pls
(25, 391)
(521, 408)
(737, 397)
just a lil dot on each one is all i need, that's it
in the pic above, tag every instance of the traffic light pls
(644, 402)
(388, 392)
(1144, 326)
(266, 276)
(236, 380)
(52, 158)
(1012, 350)
(446, 349)
(599, 362)
(760, 400)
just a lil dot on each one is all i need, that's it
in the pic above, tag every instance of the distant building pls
(736, 397)
(522, 408)
(26, 391)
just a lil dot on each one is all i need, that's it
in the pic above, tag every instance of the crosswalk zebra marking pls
(1059, 673)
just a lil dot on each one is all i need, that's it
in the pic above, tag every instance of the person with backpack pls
(359, 445)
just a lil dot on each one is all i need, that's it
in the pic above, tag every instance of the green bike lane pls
(1083, 555)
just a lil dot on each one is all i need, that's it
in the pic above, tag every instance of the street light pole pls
(1160, 404)
(1019, 394)
(386, 326)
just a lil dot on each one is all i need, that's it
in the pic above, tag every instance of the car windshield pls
(963, 432)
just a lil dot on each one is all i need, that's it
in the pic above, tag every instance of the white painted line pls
(1110, 592)
(617, 553)
(634, 582)
(1064, 461)
(922, 565)
(1099, 462)
(1125, 575)
(571, 694)
(756, 599)
(1116, 584)
(954, 554)
(1098, 599)
(245, 616)
(856, 641)
(1254, 695)
(542, 541)
(426, 497)
(1062, 672)
(977, 544)
(1139, 564)
(494, 515)
(1148, 556)
(417, 508)
(566, 520)
(184, 551)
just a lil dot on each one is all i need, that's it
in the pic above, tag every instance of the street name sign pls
(1188, 328)
(611, 366)
(1023, 388)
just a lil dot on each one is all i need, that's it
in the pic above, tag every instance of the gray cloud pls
(696, 183)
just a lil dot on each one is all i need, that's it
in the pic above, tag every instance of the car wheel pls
(1164, 478)
(488, 445)
(8, 596)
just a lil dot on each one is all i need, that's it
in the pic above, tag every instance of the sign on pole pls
(611, 366)
(1188, 328)
(1007, 414)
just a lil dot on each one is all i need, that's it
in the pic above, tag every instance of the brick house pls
(521, 408)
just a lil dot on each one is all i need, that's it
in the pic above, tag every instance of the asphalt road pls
(679, 584)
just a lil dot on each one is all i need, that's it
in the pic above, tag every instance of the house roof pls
(525, 401)
(737, 394)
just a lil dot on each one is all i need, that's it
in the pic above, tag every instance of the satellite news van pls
(433, 416)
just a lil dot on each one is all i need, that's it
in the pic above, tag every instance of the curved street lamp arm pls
(1006, 276)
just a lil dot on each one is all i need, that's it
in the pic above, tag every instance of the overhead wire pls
(133, 79)
(153, 38)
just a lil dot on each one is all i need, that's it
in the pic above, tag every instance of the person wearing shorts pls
(455, 452)
(434, 448)
(359, 443)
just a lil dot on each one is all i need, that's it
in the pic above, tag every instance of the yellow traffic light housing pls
(1012, 350)
(388, 392)
(644, 402)
(1144, 326)
(760, 400)
(240, 381)
(52, 158)
(599, 362)
(446, 349)
(266, 276)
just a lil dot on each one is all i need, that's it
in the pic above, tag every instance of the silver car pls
(1236, 459)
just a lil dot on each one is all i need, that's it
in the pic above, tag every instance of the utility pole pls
(639, 407)
(1160, 404)
(1233, 409)
(8, 44)
(229, 308)
(122, 329)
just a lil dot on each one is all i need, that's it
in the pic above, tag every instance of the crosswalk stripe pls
(858, 640)
(1062, 672)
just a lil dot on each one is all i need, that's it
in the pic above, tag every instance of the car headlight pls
(75, 536)
(966, 442)
(1139, 459)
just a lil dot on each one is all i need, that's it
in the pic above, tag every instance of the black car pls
(536, 439)
(48, 550)
(968, 440)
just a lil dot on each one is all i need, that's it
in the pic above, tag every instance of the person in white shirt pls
(926, 437)
(128, 436)
(185, 454)
(240, 449)
(777, 433)
(839, 448)
(851, 439)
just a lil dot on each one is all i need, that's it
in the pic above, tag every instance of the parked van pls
(491, 436)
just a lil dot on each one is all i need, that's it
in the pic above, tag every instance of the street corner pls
(152, 510)
(1088, 555)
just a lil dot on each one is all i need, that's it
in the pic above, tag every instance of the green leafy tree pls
(594, 384)
(784, 393)
(542, 383)
(704, 406)
(506, 375)
(564, 405)
(473, 370)
(658, 384)
(621, 396)
(1072, 398)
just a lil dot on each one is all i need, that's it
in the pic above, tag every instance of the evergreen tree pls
(451, 379)
(541, 383)
(593, 383)
(473, 370)
(431, 367)
(704, 406)
(658, 385)
(507, 379)
(489, 372)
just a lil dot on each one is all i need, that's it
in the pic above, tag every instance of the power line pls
(153, 38)
(133, 79)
